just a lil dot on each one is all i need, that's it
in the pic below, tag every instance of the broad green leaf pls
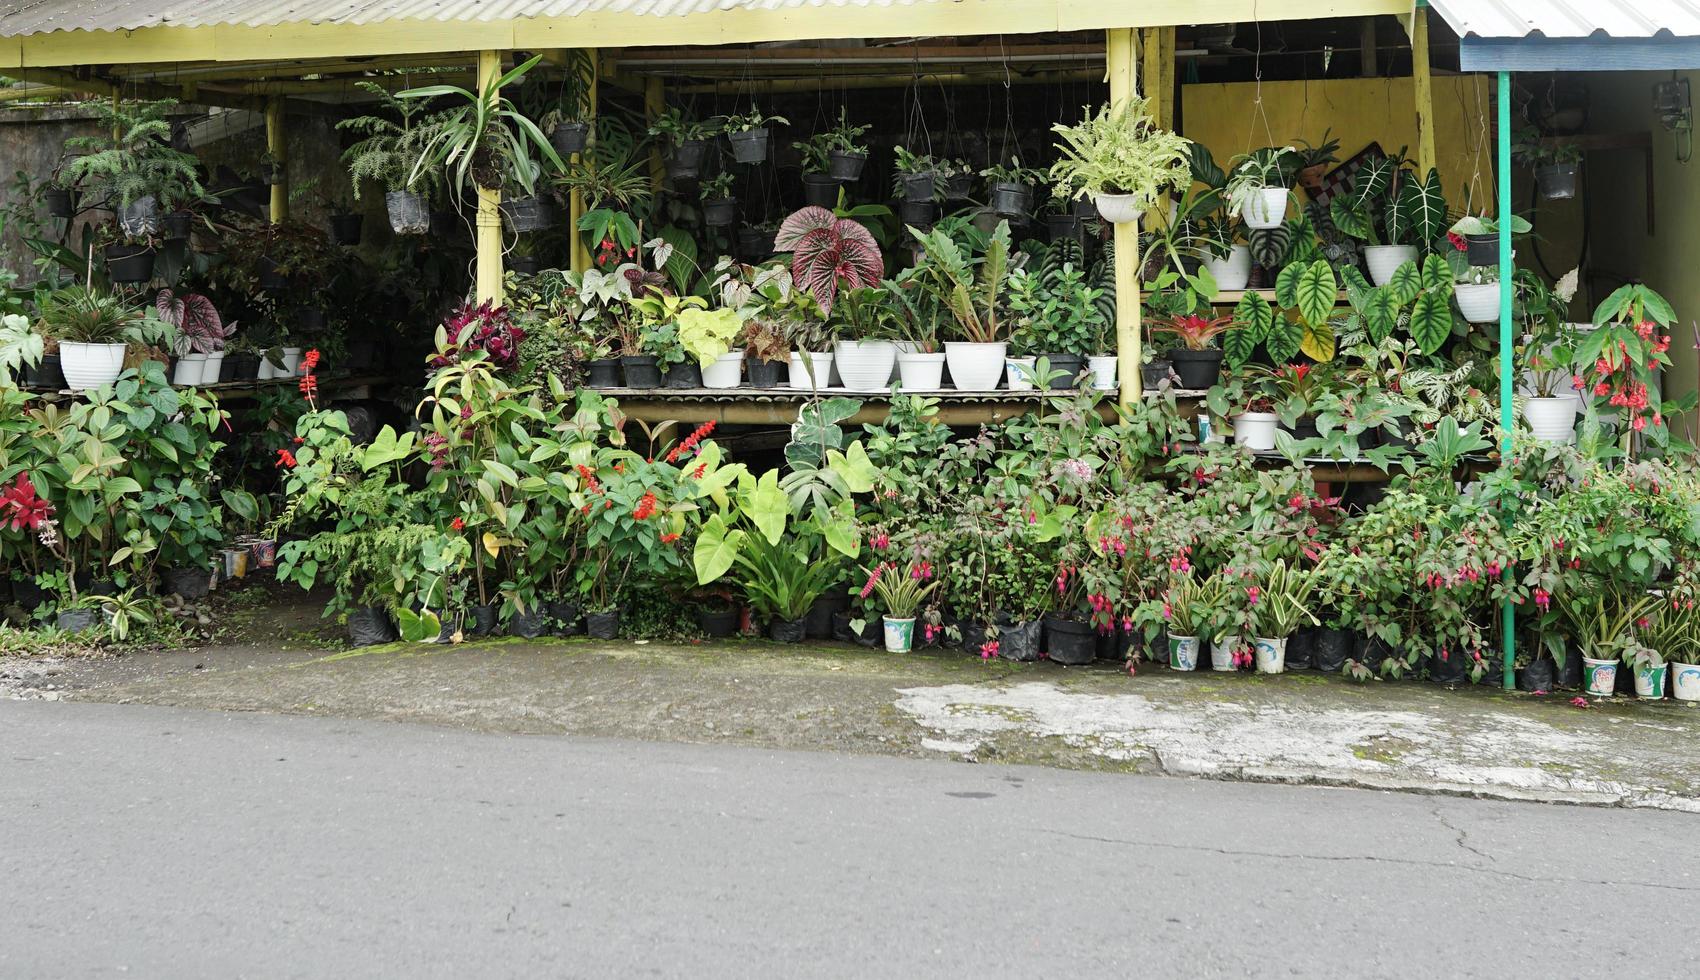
(1351, 217)
(716, 548)
(1286, 334)
(1422, 209)
(1254, 317)
(841, 537)
(1287, 286)
(1437, 275)
(853, 466)
(1431, 322)
(768, 507)
(1318, 343)
(420, 627)
(1316, 292)
(1381, 314)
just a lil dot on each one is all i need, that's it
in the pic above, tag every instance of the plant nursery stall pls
(1216, 334)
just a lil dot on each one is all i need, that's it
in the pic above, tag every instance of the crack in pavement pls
(1345, 858)
(1461, 840)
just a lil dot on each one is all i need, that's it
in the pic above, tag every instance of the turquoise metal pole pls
(1506, 387)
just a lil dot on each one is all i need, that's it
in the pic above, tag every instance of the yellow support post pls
(581, 251)
(1122, 53)
(489, 224)
(654, 104)
(1422, 89)
(277, 145)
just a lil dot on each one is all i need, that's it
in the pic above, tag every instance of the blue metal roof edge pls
(1597, 53)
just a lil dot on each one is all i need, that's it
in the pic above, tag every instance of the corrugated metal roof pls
(44, 16)
(1571, 18)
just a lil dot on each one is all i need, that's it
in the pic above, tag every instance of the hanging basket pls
(177, 226)
(408, 214)
(749, 146)
(720, 212)
(918, 188)
(820, 190)
(1011, 198)
(59, 202)
(753, 243)
(129, 263)
(686, 161)
(525, 214)
(1557, 182)
(918, 214)
(570, 137)
(845, 165)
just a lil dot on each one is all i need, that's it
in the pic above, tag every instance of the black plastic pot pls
(844, 165)
(817, 624)
(1070, 365)
(641, 371)
(1011, 198)
(602, 625)
(1069, 642)
(767, 374)
(481, 620)
(1155, 372)
(28, 595)
(820, 191)
(786, 630)
(872, 634)
(605, 373)
(1557, 181)
(919, 214)
(128, 263)
(1197, 369)
(1301, 649)
(369, 626)
(1447, 669)
(958, 187)
(1085, 209)
(525, 265)
(1482, 249)
(717, 624)
(239, 367)
(686, 161)
(749, 146)
(59, 203)
(686, 375)
(270, 277)
(526, 214)
(919, 188)
(530, 624)
(1331, 649)
(1019, 641)
(1061, 226)
(565, 615)
(176, 226)
(77, 620)
(345, 228)
(753, 243)
(190, 583)
(721, 212)
(569, 138)
(48, 374)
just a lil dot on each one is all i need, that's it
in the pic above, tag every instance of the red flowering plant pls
(1620, 360)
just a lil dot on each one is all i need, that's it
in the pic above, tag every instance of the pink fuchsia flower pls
(881, 541)
(1579, 702)
(921, 571)
(988, 649)
(1543, 599)
(1252, 593)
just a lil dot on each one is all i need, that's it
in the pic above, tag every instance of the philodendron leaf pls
(768, 507)
(1405, 284)
(1316, 292)
(1318, 343)
(1285, 336)
(1287, 285)
(1437, 275)
(420, 627)
(1254, 317)
(1431, 322)
(1381, 315)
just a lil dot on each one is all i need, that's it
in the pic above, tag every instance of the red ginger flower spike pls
(22, 507)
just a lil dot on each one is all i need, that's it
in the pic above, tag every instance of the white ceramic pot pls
(810, 370)
(1222, 653)
(1384, 260)
(1103, 368)
(212, 367)
(1120, 209)
(726, 371)
(975, 367)
(190, 369)
(1232, 272)
(1685, 681)
(865, 365)
(1650, 682)
(266, 371)
(1271, 655)
(1599, 677)
(1020, 371)
(90, 365)
(899, 634)
(1552, 419)
(1183, 652)
(1479, 301)
(1267, 209)
(1256, 431)
(920, 372)
(291, 362)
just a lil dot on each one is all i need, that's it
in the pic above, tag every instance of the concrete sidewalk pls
(1298, 728)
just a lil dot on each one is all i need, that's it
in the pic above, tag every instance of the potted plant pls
(1185, 610)
(957, 177)
(1481, 236)
(1120, 159)
(660, 325)
(755, 242)
(920, 362)
(973, 288)
(1548, 354)
(1257, 186)
(1675, 634)
(917, 177)
(524, 210)
(865, 352)
(689, 140)
(1246, 402)
(1477, 290)
(1313, 161)
(707, 336)
(1556, 163)
(820, 188)
(134, 170)
(1196, 362)
(567, 121)
(1061, 314)
(719, 207)
(901, 591)
(782, 581)
(750, 134)
(94, 330)
(830, 254)
(387, 147)
(1603, 622)
(1011, 187)
(1283, 602)
(1392, 212)
(200, 331)
(846, 152)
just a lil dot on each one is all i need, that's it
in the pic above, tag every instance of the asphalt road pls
(172, 843)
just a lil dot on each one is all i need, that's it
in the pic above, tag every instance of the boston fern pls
(133, 158)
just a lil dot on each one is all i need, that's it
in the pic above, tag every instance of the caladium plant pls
(199, 328)
(829, 253)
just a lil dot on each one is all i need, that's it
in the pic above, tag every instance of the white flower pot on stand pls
(212, 368)
(975, 367)
(189, 370)
(1020, 371)
(1479, 301)
(1685, 681)
(865, 365)
(810, 370)
(1384, 260)
(291, 362)
(90, 365)
(1552, 419)
(1222, 653)
(1103, 372)
(1255, 431)
(1118, 209)
(1232, 272)
(726, 371)
(1271, 655)
(1266, 209)
(919, 371)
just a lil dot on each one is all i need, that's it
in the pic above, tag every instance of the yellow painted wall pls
(1620, 248)
(1227, 119)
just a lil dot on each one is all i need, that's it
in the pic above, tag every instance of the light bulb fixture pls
(1676, 114)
